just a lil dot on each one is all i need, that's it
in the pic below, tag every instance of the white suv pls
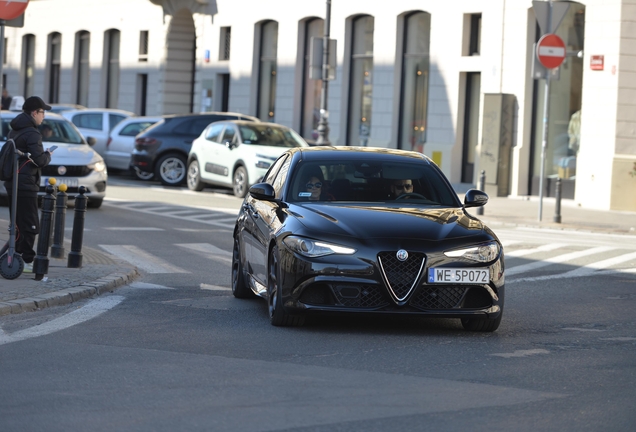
(237, 153)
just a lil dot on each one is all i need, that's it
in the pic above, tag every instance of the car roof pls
(101, 110)
(212, 113)
(49, 115)
(251, 123)
(352, 153)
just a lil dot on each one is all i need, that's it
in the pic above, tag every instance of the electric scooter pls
(11, 263)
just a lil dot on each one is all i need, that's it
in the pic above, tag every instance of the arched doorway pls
(178, 76)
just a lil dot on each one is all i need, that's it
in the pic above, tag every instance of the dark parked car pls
(379, 231)
(163, 148)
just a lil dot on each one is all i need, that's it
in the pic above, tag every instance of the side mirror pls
(475, 198)
(263, 191)
(91, 141)
(230, 145)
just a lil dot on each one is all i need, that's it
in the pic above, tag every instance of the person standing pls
(6, 99)
(29, 141)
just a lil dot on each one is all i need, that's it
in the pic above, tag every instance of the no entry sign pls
(10, 9)
(551, 51)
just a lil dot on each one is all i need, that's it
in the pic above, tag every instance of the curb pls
(69, 295)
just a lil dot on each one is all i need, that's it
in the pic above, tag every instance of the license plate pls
(458, 275)
(69, 182)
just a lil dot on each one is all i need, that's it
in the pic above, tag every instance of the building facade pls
(453, 80)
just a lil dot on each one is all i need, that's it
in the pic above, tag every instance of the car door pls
(225, 151)
(122, 142)
(206, 152)
(93, 124)
(266, 217)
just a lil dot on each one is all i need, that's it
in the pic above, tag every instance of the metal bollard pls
(75, 255)
(557, 202)
(57, 249)
(481, 186)
(41, 261)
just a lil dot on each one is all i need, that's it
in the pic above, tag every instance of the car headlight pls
(97, 166)
(315, 248)
(480, 253)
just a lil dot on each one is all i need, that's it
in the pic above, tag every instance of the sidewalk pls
(102, 273)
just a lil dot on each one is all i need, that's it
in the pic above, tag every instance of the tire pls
(482, 324)
(143, 175)
(239, 287)
(16, 269)
(194, 177)
(171, 169)
(277, 314)
(240, 182)
(94, 203)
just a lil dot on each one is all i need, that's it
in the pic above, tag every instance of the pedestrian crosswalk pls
(524, 262)
(531, 254)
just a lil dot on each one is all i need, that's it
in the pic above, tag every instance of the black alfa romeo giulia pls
(345, 229)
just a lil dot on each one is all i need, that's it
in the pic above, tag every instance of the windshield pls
(268, 135)
(60, 131)
(372, 181)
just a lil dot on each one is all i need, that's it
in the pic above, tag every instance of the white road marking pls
(210, 251)
(92, 309)
(543, 248)
(144, 285)
(521, 353)
(142, 259)
(214, 287)
(555, 260)
(593, 269)
(620, 339)
(582, 329)
(133, 229)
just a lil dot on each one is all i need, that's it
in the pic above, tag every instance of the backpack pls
(7, 157)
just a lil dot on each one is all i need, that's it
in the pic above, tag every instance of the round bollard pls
(75, 255)
(57, 249)
(41, 260)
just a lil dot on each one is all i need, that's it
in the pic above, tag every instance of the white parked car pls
(73, 163)
(121, 143)
(97, 123)
(237, 153)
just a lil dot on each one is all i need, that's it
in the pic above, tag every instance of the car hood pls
(422, 223)
(73, 154)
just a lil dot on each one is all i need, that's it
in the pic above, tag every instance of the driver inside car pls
(401, 187)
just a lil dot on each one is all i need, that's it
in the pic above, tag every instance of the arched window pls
(111, 60)
(267, 71)
(314, 28)
(415, 72)
(82, 66)
(28, 63)
(54, 60)
(360, 87)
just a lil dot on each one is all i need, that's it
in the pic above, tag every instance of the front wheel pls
(277, 314)
(482, 324)
(171, 169)
(240, 182)
(11, 271)
(194, 177)
(239, 287)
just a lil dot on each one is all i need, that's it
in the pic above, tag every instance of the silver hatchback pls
(73, 163)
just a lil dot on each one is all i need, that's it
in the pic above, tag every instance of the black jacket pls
(31, 142)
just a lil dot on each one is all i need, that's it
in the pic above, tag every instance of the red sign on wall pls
(10, 9)
(597, 62)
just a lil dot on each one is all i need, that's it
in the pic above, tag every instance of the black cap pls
(34, 103)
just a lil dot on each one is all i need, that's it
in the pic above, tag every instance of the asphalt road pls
(176, 351)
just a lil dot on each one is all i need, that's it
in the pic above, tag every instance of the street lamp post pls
(323, 125)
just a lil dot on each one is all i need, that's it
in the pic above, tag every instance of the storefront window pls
(564, 120)
(415, 68)
(361, 82)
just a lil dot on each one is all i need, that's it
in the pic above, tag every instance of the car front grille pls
(401, 276)
(434, 297)
(71, 171)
